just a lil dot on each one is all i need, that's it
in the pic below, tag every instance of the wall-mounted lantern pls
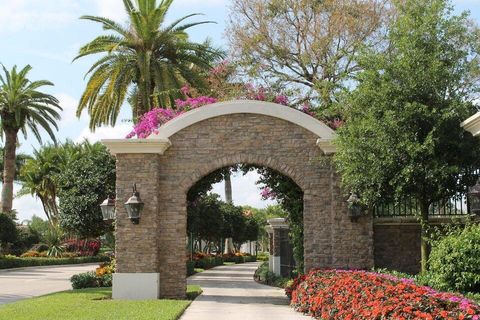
(355, 207)
(108, 209)
(134, 206)
(474, 198)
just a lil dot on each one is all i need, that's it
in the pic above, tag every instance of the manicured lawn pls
(95, 303)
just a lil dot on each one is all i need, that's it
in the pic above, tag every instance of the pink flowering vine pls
(268, 194)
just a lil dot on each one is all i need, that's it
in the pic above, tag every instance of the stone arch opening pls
(285, 249)
(151, 255)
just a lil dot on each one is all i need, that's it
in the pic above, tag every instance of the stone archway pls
(151, 256)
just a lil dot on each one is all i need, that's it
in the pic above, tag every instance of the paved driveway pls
(18, 284)
(229, 293)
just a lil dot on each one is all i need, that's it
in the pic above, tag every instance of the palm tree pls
(38, 177)
(22, 107)
(20, 160)
(145, 62)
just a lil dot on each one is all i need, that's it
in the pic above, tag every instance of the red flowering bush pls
(339, 294)
(83, 247)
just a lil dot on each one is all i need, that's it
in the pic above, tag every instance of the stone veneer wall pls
(397, 247)
(158, 243)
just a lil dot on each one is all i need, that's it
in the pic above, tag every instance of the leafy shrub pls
(455, 262)
(83, 247)
(90, 280)
(25, 240)
(238, 257)
(8, 231)
(339, 294)
(106, 268)
(190, 268)
(262, 256)
(15, 262)
(209, 262)
(265, 276)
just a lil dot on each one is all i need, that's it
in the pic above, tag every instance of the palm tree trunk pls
(229, 248)
(9, 169)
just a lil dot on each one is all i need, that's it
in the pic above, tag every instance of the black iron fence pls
(454, 206)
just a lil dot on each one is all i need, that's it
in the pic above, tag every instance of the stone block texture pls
(158, 243)
(397, 247)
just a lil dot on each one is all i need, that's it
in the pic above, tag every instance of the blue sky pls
(47, 35)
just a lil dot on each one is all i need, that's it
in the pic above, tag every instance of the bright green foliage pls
(83, 185)
(39, 175)
(290, 197)
(87, 304)
(22, 107)
(91, 280)
(38, 226)
(402, 136)
(205, 220)
(16, 262)
(455, 262)
(156, 59)
(8, 231)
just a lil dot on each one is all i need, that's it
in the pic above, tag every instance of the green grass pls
(95, 303)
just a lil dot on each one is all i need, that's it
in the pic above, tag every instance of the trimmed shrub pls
(340, 294)
(208, 262)
(265, 276)
(15, 262)
(90, 280)
(454, 263)
(190, 268)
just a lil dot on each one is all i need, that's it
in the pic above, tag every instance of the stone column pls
(278, 225)
(270, 247)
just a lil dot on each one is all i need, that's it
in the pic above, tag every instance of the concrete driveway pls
(230, 293)
(22, 283)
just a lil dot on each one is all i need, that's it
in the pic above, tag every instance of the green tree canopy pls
(402, 136)
(83, 185)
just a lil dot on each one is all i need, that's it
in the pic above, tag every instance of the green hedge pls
(237, 259)
(7, 263)
(209, 262)
(90, 280)
(190, 268)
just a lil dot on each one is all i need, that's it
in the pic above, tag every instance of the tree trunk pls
(228, 198)
(9, 169)
(424, 251)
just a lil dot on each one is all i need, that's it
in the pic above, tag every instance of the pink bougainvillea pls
(152, 120)
(268, 194)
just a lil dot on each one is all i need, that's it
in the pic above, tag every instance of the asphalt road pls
(23, 283)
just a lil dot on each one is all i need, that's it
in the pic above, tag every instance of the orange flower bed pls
(340, 294)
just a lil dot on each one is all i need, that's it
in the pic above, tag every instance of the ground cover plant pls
(95, 303)
(8, 262)
(264, 276)
(340, 294)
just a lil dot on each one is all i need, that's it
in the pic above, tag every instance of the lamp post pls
(134, 206)
(355, 208)
(474, 198)
(108, 209)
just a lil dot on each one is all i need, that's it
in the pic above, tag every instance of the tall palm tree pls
(145, 62)
(22, 107)
(20, 160)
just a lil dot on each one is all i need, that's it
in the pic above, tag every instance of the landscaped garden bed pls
(339, 294)
(204, 261)
(95, 303)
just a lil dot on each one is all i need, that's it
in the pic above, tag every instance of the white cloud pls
(21, 15)
(112, 9)
(118, 132)
(69, 105)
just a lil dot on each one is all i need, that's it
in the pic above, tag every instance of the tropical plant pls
(54, 239)
(151, 60)
(38, 177)
(22, 107)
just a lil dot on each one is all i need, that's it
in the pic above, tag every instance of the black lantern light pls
(355, 208)
(108, 209)
(474, 198)
(134, 206)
